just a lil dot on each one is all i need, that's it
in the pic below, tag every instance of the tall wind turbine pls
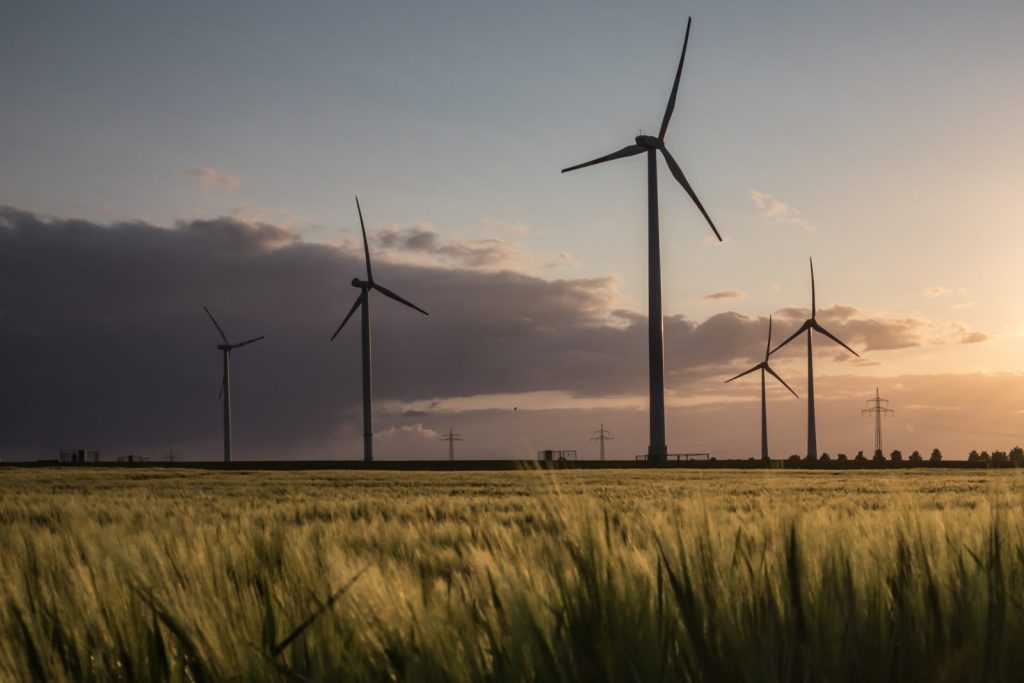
(809, 325)
(657, 449)
(225, 386)
(363, 301)
(765, 368)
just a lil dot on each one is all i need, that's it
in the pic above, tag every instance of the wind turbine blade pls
(678, 173)
(629, 151)
(388, 293)
(248, 341)
(834, 338)
(772, 373)
(366, 245)
(767, 349)
(359, 300)
(803, 328)
(745, 372)
(675, 84)
(222, 335)
(814, 305)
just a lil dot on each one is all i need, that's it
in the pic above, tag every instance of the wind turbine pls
(363, 301)
(225, 386)
(657, 449)
(765, 368)
(809, 325)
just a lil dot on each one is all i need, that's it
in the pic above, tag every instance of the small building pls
(556, 456)
(78, 456)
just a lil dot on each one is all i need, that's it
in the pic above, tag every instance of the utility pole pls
(878, 406)
(451, 437)
(602, 435)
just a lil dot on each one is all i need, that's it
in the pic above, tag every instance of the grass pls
(192, 575)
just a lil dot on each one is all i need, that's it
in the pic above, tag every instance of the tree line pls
(1012, 458)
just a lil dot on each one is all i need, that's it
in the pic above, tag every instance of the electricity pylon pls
(879, 407)
(451, 437)
(602, 435)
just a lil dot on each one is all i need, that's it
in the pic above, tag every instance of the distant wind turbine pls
(809, 325)
(657, 449)
(363, 301)
(225, 385)
(765, 368)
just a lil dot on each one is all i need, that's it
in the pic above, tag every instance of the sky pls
(158, 158)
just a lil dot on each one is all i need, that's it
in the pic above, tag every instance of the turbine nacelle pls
(649, 142)
(361, 284)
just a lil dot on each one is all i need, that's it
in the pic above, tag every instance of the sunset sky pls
(158, 158)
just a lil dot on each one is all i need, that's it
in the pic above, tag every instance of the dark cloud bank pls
(105, 344)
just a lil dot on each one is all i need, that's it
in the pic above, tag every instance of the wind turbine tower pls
(878, 407)
(812, 325)
(225, 385)
(363, 302)
(764, 368)
(451, 437)
(651, 146)
(602, 435)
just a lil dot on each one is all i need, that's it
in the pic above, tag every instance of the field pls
(168, 574)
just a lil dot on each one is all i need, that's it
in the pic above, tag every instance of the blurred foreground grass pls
(191, 575)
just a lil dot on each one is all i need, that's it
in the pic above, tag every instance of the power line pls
(879, 408)
(451, 437)
(602, 435)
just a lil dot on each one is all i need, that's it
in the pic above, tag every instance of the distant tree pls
(916, 458)
(896, 456)
(842, 457)
(794, 458)
(936, 455)
(1017, 456)
(984, 457)
(999, 458)
(973, 456)
(824, 458)
(878, 457)
(860, 457)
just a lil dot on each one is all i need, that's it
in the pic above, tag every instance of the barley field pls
(166, 574)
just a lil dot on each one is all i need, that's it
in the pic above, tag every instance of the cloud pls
(866, 331)
(490, 253)
(934, 292)
(728, 294)
(212, 179)
(423, 239)
(114, 350)
(773, 210)
(236, 235)
(416, 430)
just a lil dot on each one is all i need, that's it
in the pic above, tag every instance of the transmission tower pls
(878, 407)
(602, 435)
(451, 437)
